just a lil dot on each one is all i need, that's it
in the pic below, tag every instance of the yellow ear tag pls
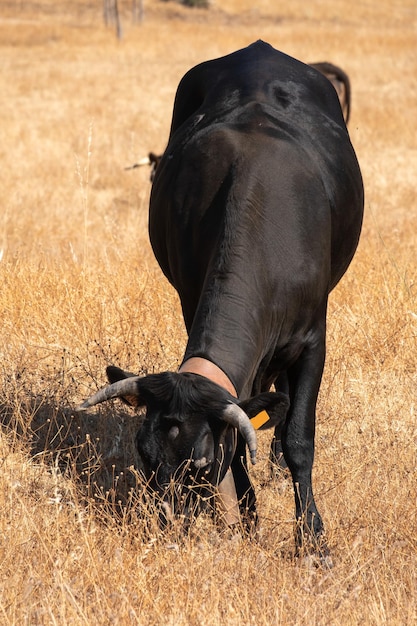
(259, 420)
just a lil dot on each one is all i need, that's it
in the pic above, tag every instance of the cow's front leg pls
(298, 443)
(244, 488)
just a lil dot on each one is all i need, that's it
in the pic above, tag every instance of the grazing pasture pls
(80, 289)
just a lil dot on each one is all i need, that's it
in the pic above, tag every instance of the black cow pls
(255, 214)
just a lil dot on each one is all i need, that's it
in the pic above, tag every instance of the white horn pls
(125, 387)
(145, 161)
(235, 416)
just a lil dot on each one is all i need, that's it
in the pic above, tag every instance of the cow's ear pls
(266, 410)
(114, 374)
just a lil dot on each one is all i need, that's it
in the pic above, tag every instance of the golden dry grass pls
(79, 288)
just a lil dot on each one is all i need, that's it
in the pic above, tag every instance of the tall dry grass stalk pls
(79, 289)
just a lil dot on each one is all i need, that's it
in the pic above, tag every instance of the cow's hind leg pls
(278, 465)
(304, 379)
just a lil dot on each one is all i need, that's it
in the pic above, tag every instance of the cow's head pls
(189, 431)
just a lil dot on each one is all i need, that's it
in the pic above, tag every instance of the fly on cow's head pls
(188, 434)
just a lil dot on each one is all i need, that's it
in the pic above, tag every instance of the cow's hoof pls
(313, 552)
(233, 534)
(317, 561)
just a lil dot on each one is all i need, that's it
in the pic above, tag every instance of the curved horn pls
(235, 416)
(144, 161)
(125, 387)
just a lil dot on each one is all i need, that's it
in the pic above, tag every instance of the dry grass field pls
(79, 289)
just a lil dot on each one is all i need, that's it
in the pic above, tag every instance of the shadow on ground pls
(97, 449)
